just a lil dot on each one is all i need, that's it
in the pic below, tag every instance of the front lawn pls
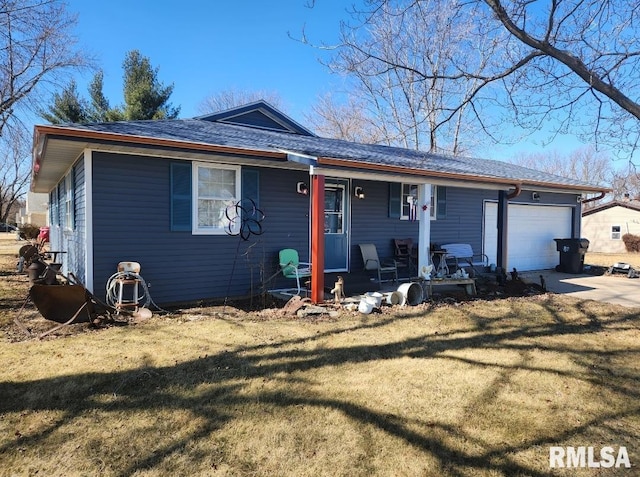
(481, 388)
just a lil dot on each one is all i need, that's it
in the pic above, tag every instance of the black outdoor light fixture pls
(359, 192)
(302, 188)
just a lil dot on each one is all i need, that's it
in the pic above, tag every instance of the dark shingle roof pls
(242, 137)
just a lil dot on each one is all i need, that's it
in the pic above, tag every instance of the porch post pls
(424, 228)
(576, 215)
(317, 238)
(503, 228)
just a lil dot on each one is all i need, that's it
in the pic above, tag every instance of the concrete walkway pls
(616, 288)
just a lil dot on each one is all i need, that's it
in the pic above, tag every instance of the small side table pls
(441, 269)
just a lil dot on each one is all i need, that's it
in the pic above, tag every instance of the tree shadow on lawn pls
(232, 372)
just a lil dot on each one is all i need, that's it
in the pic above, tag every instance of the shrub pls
(631, 242)
(29, 231)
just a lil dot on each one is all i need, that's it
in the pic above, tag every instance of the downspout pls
(577, 213)
(502, 246)
(515, 193)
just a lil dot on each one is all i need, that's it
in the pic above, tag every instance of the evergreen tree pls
(99, 110)
(67, 107)
(145, 97)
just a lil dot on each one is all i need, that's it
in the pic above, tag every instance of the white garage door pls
(532, 229)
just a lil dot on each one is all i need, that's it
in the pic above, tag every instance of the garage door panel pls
(532, 229)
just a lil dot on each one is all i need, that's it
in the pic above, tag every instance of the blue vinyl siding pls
(132, 221)
(258, 119)
(72, 241)
(371, 223)
(462, 223)
(75, 239)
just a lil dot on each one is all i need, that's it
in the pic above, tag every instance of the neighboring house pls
(605, 224)
(162, 193)
(35, 211)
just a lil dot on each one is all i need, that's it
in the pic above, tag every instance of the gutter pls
(597, 197)
(41, 132)
(327, 161)
(373, 167)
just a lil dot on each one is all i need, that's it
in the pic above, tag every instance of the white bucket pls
(411, 294)
(365, 306)
(393, 298)
(375, 298)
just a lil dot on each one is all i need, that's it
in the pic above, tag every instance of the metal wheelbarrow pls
(65, 304)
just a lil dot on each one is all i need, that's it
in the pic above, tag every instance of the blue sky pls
(206, 46)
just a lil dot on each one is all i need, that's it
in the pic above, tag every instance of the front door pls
(336, 224)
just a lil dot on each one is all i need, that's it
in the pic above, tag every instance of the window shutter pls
(441, 205)
(72, 191)
(181, 196)
(395, 197)
(62, 200)
(251, 185)
(53, 206)
(251, 190)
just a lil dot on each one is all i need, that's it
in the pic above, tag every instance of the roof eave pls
(77, 133)
(84, 137)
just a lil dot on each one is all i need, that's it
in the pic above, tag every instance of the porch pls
(359, 286)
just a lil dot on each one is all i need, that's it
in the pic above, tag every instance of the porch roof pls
(57, 147)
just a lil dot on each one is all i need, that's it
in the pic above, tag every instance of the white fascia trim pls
(300, 158)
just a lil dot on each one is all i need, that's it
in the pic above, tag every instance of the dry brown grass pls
(608, 259)
(473, 389)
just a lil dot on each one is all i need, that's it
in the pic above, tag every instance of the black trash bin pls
(572, 251)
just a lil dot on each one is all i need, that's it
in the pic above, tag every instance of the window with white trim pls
(216, 191)
(68, 204)
(433, 206)
(54, 215)
(615, 232)
(409, 202)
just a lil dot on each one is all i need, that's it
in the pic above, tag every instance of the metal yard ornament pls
(244, 218)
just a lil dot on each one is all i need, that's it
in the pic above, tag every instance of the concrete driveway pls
(616, 288)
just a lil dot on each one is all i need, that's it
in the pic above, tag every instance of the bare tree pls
(14, 170)
(626, 184)
(403, 58)
(586, 164)
(330, 117)
(577, 62)
(571, 66)
(230, 98)
(37, 50)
